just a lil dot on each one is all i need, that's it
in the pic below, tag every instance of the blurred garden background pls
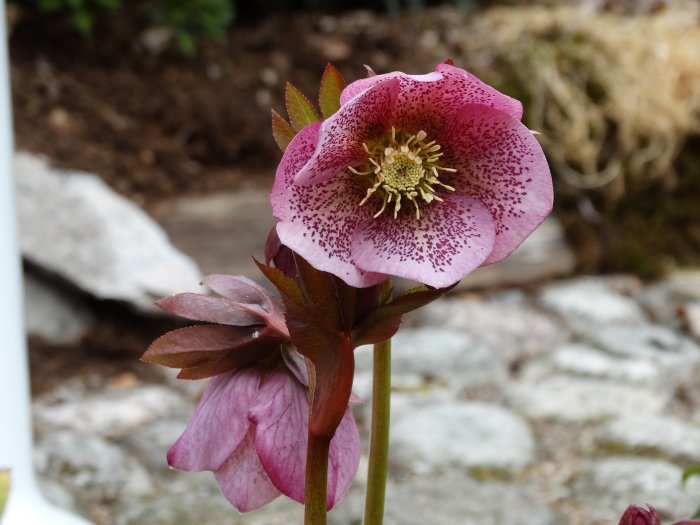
(575, 361)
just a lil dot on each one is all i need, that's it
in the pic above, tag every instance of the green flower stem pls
(316, 480)
(379, 436)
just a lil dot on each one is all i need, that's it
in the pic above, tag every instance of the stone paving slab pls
(506, 409)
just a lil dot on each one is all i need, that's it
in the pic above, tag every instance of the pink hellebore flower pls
(251, 425)
(425, 177)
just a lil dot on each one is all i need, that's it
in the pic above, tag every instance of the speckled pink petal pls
(219, 424)
(243, 480)
(450, 239)
(295, 157)
(341, 136)
(358, 86)
(428, 101)
(501, 164)
(281, 439)
(318, 221)
(465, 88)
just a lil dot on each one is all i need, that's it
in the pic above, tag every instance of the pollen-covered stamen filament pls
(403, 166)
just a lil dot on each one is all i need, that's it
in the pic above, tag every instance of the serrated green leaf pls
(282, 131)
(301, 111)
(690, 472)
(4, 489)
(332, 84)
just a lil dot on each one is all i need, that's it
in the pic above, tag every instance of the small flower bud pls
(635, 515)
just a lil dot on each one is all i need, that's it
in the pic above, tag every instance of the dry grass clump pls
(614, 97)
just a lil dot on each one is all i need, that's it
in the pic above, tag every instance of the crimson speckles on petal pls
(494, 185)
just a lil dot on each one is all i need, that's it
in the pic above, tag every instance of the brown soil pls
(156, 124)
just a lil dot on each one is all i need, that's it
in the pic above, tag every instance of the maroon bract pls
(249, 326)
(425, 177)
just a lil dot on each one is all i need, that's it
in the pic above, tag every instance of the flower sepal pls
(249, 327)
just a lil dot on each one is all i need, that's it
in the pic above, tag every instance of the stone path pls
(559, 405)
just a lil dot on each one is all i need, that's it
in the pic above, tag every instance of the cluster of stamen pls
(403, 167)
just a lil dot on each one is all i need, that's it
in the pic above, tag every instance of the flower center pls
(403, 167)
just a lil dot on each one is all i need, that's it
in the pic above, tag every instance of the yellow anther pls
(402, 165)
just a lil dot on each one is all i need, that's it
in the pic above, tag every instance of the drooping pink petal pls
(449, 240)
(281, 420)
(501, 164)
(318, 220)
(343, 458)
(200, 307)
(219, 424)
(242, 478)
(340, 139)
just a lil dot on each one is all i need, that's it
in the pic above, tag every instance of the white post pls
(25, 505)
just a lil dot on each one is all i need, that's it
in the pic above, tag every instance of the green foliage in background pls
(188, 18)
(81, 12)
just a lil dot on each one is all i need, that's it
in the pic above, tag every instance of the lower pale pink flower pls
(250, 429)
(251, 425)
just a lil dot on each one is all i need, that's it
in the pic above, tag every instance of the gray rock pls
(93, 468)
(544, 254)
(204, 226)
(73, 225)
(113, 413)
(462, 436)
(660, 301)
(607, 487)
(440, 354)
(510, 330)
(686, 283)
(567, 399)
(52, 313)
(590, 301)
(656, 435)
(585, 361)
(58, 495)
(150, 443)
(677, 356)
(691, 313)
(453, 499)
(196, 499)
